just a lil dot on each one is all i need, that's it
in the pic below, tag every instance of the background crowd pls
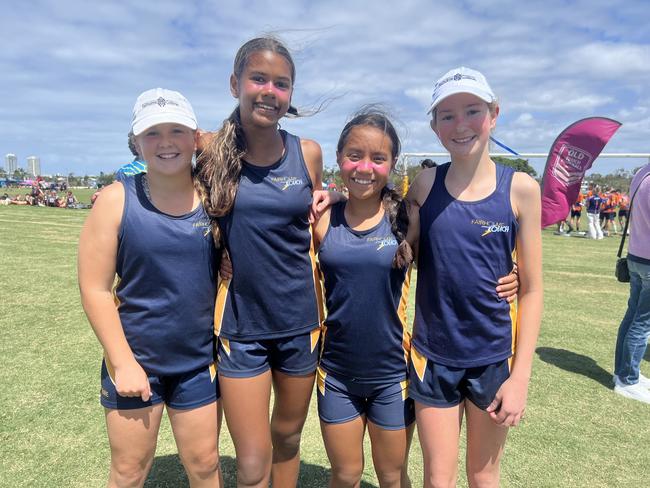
(604, 207)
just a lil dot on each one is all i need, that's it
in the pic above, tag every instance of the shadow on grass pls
(576, 363)
(646, 356)
(167, 472)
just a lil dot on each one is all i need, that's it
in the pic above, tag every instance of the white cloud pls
(525, 119)
(611, 60)
(562, 100)
(73, 69)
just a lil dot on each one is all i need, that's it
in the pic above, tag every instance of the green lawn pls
(577, 432)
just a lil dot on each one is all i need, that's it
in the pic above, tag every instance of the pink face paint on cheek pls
(278, 93)
(382, 169)
(348, 166)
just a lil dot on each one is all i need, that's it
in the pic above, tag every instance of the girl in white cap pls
(156, 323)
(471, 352)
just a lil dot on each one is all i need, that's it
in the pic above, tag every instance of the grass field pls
(577, 432)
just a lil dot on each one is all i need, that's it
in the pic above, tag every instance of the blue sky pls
(71, 70)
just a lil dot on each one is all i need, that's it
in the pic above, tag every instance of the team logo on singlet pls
(285, 182)
(382, 241)
(204, 225)
(491, 227)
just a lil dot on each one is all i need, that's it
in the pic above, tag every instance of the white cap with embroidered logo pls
(461, 80)
(160, 106)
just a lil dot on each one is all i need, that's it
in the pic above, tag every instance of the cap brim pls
(166, 118)
(484, 95)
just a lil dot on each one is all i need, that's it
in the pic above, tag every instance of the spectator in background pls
(564, 227)
(623, 208)
(594, 202)
(70, 200)
(36, 194)
(52, 200)
(576, 212)
(95, 195)
(634, 331)
(138, 165)
(428, 163)
(608, 212)
(21, 200)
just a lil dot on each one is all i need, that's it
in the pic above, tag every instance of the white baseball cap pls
(160, 106)
(461, 80)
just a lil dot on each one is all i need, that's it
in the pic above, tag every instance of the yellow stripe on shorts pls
(213, 371)
(320, 380)
(220, 304)
(314, 336)
(419, 362)
(405, 389)
(226, 345)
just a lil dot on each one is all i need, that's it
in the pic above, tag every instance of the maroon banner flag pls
(571, 155)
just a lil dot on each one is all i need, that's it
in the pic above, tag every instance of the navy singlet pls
(167, 267)
(365, 334)
(274, 291)
(464, 248)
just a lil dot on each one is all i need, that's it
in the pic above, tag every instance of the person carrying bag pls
(621, 272)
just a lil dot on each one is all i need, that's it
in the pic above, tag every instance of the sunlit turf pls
(577, 432)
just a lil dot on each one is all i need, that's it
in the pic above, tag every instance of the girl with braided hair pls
(365, 248)
(362, 375)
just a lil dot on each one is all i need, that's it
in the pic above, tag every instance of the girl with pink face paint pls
(362, 374)
(364, 259)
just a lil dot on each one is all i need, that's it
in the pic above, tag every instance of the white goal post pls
(404, 159)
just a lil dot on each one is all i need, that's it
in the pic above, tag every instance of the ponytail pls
(219, 166)
(202, 191)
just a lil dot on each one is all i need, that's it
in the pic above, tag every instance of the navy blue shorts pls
(183, 392)
(437, 385)
(294, 356)
(576, 213)
(385, 404)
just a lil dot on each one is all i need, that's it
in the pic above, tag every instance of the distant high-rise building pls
(34, 165)
(11, 163)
